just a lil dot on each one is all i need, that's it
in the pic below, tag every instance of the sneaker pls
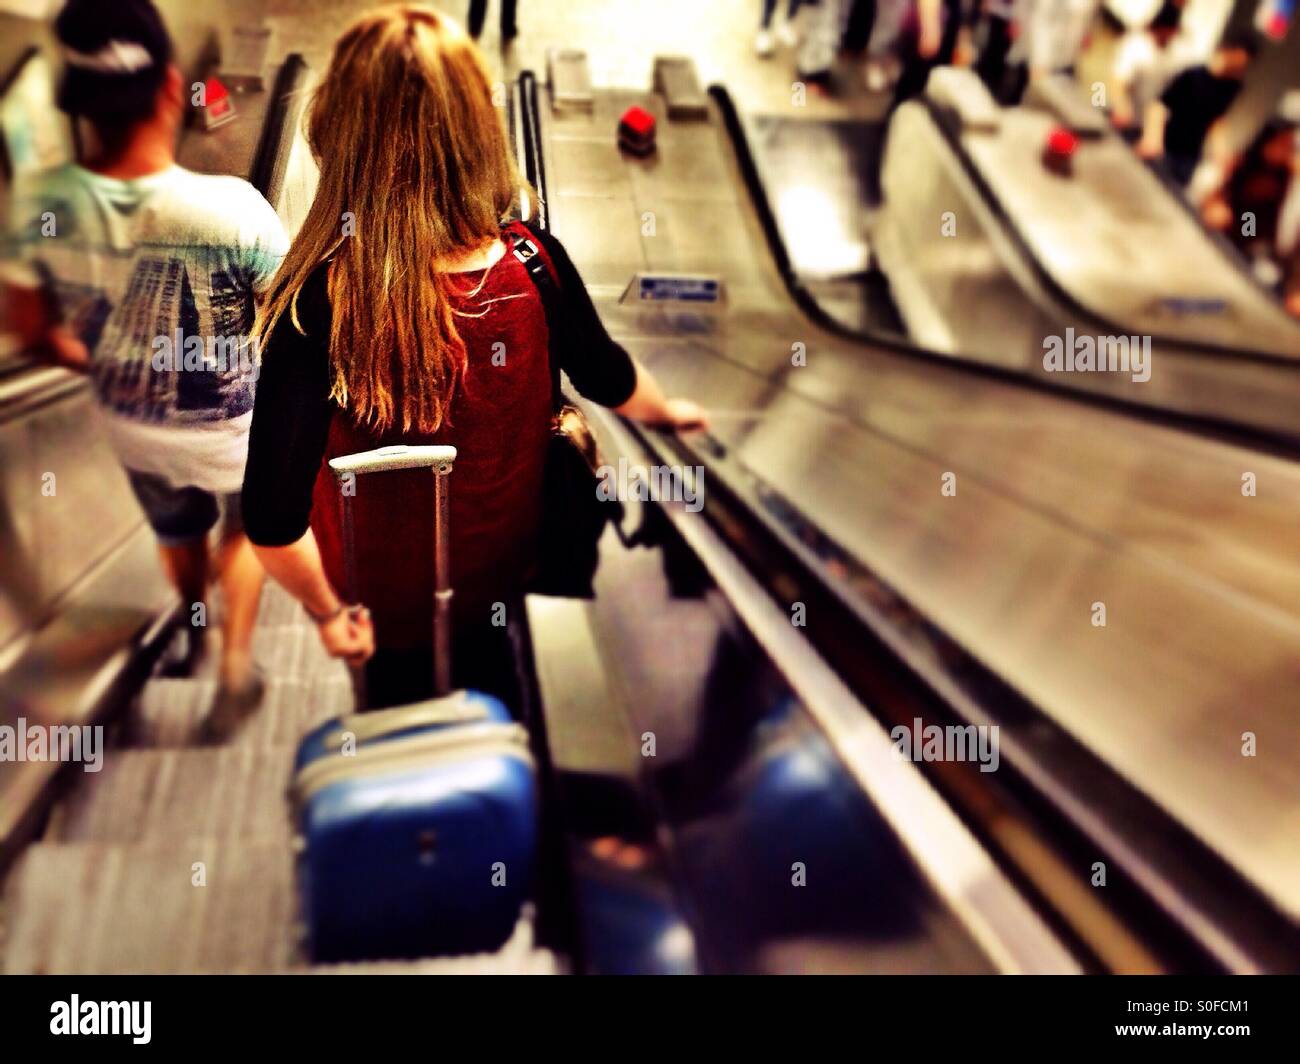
(230, 709)
(763, 44)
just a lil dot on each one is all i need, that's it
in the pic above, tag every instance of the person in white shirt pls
(1055, 31)
(144, 276)
(1146, 61)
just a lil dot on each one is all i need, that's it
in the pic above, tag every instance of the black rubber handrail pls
(279, 128)
(534, 162)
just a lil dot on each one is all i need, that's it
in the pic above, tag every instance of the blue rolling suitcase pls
(418, 824)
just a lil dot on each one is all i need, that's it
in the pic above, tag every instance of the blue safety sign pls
(680, 288)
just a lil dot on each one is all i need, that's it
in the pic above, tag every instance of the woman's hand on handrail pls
(648, 404)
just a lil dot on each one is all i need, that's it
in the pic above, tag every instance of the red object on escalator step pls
(218, 108)
(1058, 152)
(636, 131)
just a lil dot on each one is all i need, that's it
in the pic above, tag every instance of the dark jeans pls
(478, 14)
(916, 68)
(1181, 167)
(1005, 80)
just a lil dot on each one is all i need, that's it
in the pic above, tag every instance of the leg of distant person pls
(241, 579)
(763, 44)
(240, 686)
(477, 16)
(857, 32)
(186, 566)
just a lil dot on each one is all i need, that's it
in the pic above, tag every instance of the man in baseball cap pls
(144, 275)
(116, 56)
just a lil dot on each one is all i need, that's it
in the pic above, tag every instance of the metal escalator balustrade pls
(1105, 250)
(859, 440)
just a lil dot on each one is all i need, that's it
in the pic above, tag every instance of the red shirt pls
(499, 423)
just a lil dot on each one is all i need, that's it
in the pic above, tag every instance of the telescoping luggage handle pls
(386, 460)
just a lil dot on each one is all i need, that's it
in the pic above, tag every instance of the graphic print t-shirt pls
(157, 275)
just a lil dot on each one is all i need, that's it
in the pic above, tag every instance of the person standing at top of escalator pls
(143, 275)
(1178, 125)
(1146, 61)
(819, 34)
(418, 325)
(478, 15)
(764, 44)
(935, 34)
(871, 33)
(1258, 208)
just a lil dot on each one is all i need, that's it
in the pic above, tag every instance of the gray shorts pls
(183, 515)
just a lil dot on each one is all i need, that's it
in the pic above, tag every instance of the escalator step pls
(169, 713)
(142, 795)
(676, 78)
(99, 908)
(293, 650)
(277, 606)
(95, 908)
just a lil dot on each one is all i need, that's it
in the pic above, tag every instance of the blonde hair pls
(413, 152)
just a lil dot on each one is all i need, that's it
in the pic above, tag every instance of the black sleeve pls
(1183, 85)
(292, 411)
(599, 366)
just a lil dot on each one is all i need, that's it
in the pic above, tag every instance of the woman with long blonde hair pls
(399, 317)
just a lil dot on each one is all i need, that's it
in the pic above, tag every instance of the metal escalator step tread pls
(50, 913)
(97, 908)
(570, 78)
(277, 606)
(169, 713)
(141, 795)
(676, 78)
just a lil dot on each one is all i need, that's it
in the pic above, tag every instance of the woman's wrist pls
(323, 617)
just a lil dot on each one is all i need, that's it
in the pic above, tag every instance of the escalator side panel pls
(1061, 505)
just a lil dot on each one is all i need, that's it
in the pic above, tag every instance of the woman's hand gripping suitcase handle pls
(348, 634)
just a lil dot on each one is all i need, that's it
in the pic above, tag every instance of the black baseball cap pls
(115, 57)
(1169, 17)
